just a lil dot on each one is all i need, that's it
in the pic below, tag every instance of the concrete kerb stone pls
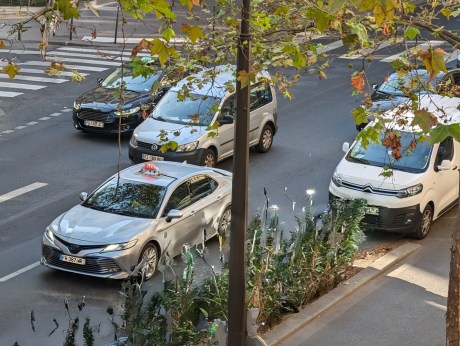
(293, 323)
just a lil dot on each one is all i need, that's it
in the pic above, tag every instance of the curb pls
(293, 323)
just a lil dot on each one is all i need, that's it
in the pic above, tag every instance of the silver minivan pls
(190, 121)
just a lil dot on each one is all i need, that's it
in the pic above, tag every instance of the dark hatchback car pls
(97, 109)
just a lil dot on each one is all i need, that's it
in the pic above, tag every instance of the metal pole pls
(116, 25)
(237, 320)
(71, 28)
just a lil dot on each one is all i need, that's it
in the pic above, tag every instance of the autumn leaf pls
(11, 70)
(2, 44)
(243, 78)
(357, 82)
(194, 32)
(143, 44)
(359, 115)
(433, 61)
(424, 119)
(76, 77)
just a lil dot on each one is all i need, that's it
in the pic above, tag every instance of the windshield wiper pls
(160, 118)
(359, 160)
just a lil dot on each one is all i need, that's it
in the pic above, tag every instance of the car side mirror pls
(173, 214)
(375, 86)
(345, 147)
(226, 119)
(445, 165)
(83, 196)
(99, 81)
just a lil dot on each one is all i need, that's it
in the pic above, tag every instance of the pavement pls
(400, 299)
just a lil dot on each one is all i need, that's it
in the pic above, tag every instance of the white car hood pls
(362, 174)
(149, 130)
(99, 227)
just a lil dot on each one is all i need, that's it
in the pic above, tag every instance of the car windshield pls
(395, 84)
(130, 198)
(138, 84)
(376, 154)
(194, 109)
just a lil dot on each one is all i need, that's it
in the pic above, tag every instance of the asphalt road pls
(312, 128)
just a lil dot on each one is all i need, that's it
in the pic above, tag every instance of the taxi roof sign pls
(150, 169)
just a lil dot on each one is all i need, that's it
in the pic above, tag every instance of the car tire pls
(150, 267)
(265, 140)
(209, 158)
(425, 223)
(225, 222)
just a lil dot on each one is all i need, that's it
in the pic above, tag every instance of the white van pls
(424, 183)
(189, 121)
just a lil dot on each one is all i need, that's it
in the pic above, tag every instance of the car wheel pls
(425, 223)
(225, 223)
(265, 140)
(150, 254)
(209, 158)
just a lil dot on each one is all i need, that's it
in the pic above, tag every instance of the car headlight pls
(119, 247)
(410, 191)
(188, 147)
(126, 112)
(49, 234)
(76, 105)
(133, 142)
(336, 179)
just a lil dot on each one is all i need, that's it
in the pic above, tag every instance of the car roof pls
(217, 78)
(168, 172)
(443, 107)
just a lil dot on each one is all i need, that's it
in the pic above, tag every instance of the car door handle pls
(193, 212)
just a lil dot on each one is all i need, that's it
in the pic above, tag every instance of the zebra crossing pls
(32, 75)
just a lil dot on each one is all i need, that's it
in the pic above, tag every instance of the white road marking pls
(76, 67)
(36, 79)
(21, 86)
(86, 61)
(21, 191)
(20, 127)
(55, 114)
(129, 39)
(62, 74)
(9, 94)
(330, 46)
(32, 123)
(19, 272)
(67, 110)
(7, 131)
(421, 46)
(100, 51)
(44, 118)
(367, 51)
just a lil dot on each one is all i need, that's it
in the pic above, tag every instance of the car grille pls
(76, 248)
(90, 114)
(144, 145)
(370, 189)
(375, 221)
(94, 265)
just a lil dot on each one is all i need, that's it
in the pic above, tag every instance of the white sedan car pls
(151, 209)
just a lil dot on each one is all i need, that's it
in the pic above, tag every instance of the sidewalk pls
(403, 304)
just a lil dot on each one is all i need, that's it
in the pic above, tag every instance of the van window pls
(375, 154)
(229, 106)
(260, 95)
(445, 151)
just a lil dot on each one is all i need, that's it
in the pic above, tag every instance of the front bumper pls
(111, 265)
(111, 123)
(193, 157)
(404, 220)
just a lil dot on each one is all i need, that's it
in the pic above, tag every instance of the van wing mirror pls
(173, 214)
(445, 165)
(99, 81)
(83, 196)
(375, 86)
(345, 147)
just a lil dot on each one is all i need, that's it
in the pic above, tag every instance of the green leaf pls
(282, 10)
(446, 12)
(411, 32)
(168, 34)
(159, 48)
(408, 7)
(299, 60)
(359, 115)
(423, 119)
(441, 132)
(244, 79)
(335, 6)
(194, 32)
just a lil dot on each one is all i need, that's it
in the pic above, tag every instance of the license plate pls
(372, 210)
(152, 157)
(93, 123)
(72, 259)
